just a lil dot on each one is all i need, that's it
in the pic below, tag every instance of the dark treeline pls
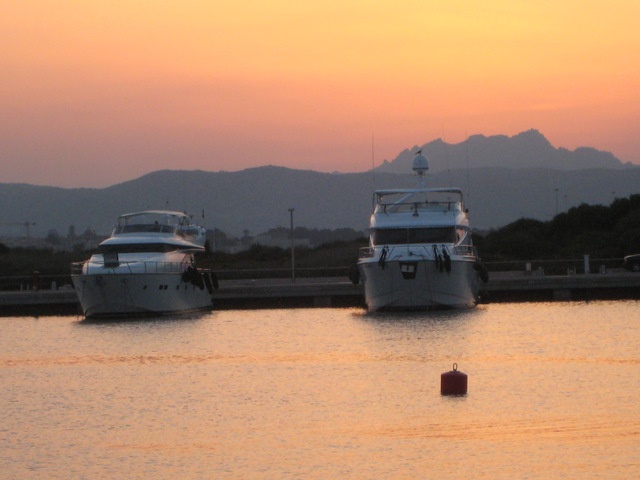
(24, 261)
(595, 230)
(603, 232)
(328, 259)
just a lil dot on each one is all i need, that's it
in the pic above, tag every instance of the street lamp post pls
(293, 256)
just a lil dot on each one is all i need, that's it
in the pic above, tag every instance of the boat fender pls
(383, 257)
(214, 280)
(447, 259)
(436, 256)
(189, 275)
(207, 282)
(198, 280)
(482, 271)
(354, 274)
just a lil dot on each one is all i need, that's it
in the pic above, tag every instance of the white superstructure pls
(147, 266)
(420, 254)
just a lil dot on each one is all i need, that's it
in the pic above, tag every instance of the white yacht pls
(146, 267)
(420, 253)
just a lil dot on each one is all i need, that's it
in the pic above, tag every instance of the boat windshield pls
(399, 236)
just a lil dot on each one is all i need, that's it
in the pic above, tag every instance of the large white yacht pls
(420, 253)
(146, 267)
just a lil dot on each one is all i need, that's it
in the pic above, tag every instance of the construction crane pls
(26, 225)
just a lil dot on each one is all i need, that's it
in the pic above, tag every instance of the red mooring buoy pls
(453, 382)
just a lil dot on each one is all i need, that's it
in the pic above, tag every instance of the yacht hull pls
(409, 284)
(117, 295)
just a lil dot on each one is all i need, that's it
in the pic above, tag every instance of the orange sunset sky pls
(93, 93)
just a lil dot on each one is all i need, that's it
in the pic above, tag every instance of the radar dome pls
(420, 163)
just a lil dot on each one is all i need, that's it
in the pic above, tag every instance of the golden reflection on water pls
(325, 393)
(562, 428)
(326, 358)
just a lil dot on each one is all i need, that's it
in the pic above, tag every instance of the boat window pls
(395, 236)
(146, 228)
(111, 259)
(136, 248)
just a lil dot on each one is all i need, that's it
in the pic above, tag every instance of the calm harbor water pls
(325, 393)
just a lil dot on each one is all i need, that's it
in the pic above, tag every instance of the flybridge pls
(417, 200)
(154, 217)
(150, 223)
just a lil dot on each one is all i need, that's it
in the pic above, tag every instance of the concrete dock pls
(39, 302)
(519, 286)
(340, 292)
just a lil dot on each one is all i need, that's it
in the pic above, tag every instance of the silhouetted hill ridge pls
(528, 149)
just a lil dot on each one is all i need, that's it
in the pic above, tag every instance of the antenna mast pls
(373, 164)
